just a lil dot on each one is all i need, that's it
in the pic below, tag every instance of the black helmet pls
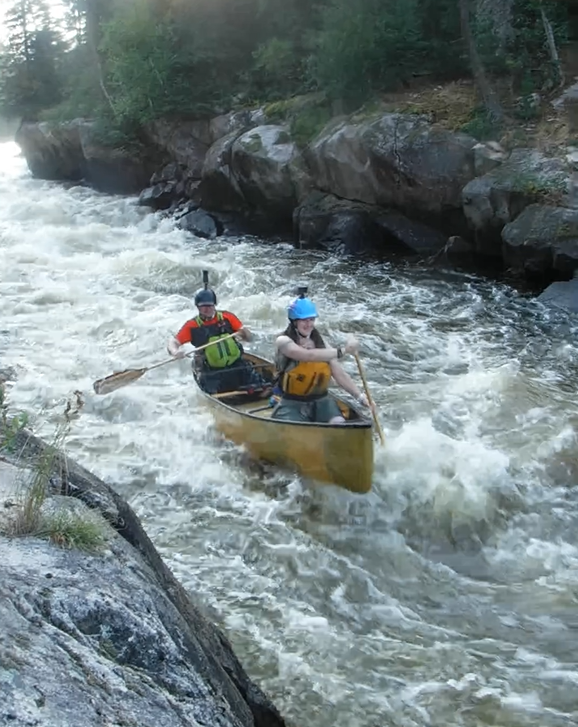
(205, 296)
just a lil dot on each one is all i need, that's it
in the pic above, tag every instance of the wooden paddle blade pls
(117, 380)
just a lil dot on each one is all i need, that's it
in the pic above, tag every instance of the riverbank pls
(400, 179)
(96, 629)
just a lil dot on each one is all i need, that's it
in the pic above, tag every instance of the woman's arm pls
(290, 349)
(344, 380)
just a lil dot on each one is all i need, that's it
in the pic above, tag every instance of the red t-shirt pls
(184, 335)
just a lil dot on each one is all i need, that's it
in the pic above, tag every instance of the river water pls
(448, 596)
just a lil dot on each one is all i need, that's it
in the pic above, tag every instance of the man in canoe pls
(306, 365)
(221, 364)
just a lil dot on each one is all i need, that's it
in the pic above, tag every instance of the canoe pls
(340, 454)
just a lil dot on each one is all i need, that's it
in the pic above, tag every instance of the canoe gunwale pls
(362, 423)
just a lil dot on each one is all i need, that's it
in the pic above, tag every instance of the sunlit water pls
(449, 595)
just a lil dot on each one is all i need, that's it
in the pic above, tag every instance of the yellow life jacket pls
(304, 379)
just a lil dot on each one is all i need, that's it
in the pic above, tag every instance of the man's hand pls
(175, 348)
(243, 334)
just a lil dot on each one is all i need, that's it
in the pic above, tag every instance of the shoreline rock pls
(393, 183)
(89, 638)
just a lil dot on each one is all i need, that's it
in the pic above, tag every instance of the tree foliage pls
(136, 60)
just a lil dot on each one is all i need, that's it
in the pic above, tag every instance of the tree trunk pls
(554, 57)
(489, 98)
(96, 11)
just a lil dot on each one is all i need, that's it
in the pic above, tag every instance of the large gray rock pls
(219, 188)
(201, 224)
(562, 294)
(396, 160)
(185, 142)
(110, 638)
(235, 121)
(52, 151)
(75, 151)
(323, 220)
(495, 199)
(114, 170)
(542, 242)
(269, 170)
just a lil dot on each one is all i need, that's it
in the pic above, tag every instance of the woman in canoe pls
(306, 365)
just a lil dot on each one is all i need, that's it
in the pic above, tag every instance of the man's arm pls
(244, 333)
(239, 329)
(174, 347)
(175, 344)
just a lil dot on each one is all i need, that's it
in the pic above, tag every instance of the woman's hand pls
(362, 399)
(352, 346)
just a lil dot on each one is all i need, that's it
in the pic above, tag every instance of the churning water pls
(447, 596)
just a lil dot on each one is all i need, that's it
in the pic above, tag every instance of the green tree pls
(30, 65)
(372, 45)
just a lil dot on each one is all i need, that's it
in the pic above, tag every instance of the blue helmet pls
(302, 308)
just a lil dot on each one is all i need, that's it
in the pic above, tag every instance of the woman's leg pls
(289, 410)
(327, 411)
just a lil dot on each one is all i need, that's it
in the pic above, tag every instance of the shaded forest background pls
(124, 63)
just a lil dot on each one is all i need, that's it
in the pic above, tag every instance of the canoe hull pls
(337, 454)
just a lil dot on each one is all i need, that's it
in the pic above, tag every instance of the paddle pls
(369, 399)
(122, 378)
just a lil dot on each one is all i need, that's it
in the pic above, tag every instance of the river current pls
(446, 597)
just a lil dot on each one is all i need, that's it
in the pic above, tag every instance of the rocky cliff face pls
(108, 637)
(393, 182)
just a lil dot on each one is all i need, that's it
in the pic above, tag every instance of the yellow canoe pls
(332, 453)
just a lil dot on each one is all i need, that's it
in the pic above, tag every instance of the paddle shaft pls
(123, 378)
(369, 399)
(192, 353)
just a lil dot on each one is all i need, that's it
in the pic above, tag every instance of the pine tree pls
(29, 66)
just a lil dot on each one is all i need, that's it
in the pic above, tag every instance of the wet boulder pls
(235, 122)
(495, 199)
(76, 151)
(395, 160)
(219, 187)
(542, 242)
(184, 142)
(112, 169)
(168, 186)
(160, 196)
(52, 151)
(561, 294)
(327, 221)
(201, 224)
(269, 170)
